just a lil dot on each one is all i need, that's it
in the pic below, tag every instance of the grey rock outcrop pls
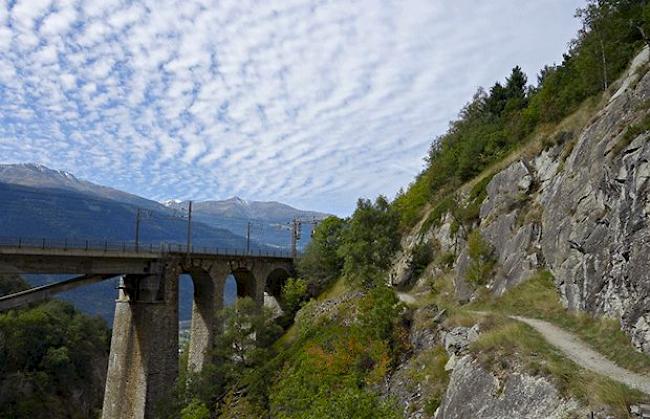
(413, 394)
(440, 240)
(272, 303)
(596, 237)
(474, 392)
(457, 340)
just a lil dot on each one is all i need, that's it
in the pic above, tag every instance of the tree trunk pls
(604, 59)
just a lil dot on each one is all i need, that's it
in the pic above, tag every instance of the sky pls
(312, 103)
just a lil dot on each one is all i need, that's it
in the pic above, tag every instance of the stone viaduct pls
(143, 362)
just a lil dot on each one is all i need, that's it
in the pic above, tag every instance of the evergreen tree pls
(497, 99)
(516, 84)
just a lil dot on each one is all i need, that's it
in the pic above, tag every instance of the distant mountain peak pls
(35, 174)
(37, 167)
(237, 200)
(41, 176)
(171, 202)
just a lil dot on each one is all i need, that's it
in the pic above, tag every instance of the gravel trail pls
(582, 354)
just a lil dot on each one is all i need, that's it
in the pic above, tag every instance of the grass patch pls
(538, 298)
(337, 289)
(458, 317)
(505, 345)
(630, 134)
(437, 213)
(442, 289)
(428, 371)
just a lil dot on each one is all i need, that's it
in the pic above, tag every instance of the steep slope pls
(578, 208)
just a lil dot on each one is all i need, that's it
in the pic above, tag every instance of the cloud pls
(310, 102)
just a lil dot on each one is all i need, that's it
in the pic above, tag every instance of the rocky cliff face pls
(581, 211)
(578, 208)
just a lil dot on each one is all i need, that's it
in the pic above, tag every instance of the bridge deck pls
(123, 248)
(104, 257)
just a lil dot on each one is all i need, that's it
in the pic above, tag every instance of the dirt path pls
(574, 349)
(580, 353)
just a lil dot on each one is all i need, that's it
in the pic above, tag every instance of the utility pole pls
(189, 230)
(295, 236)
(248, 238)
(314, 224)
(137, 230)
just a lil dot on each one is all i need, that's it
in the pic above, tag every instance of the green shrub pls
(482, 259)
(195, 410)
(49, 354)
(294, 294)
(321, 264)
(630, 134)
(422, 256)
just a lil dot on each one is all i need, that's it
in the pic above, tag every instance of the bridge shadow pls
(275, 282)
(246, 284)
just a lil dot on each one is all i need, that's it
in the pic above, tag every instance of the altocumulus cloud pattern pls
(310, 102)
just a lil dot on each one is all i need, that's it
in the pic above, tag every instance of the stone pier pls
(208, 300)
(143, 363)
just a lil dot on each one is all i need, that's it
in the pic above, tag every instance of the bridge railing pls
(130, 247)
